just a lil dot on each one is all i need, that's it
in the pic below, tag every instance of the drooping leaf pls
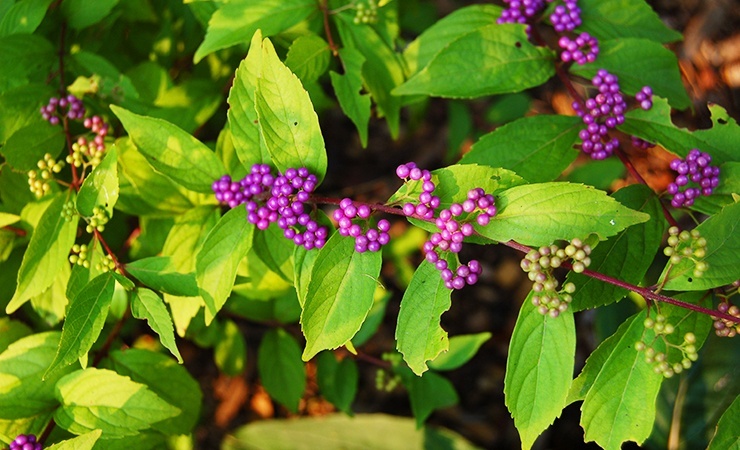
(289, 126)
(537, 148)
(347, 88)
(147, 305)
(308, 57)
(638, 63)
(84, 322)
(235, 22)
(493, 59)
(538, 214)
(170, 381)
(172, 151)
(82, 14)
(337, 380)
(419, 335)
(47, 252)
(158, 273)
(612, 19)
(102, 399)
(623, 256)
(216, 262)
(428, 393)
(230, 352)
(339, 295)
(100, 188)
(722, 232)
(461, 349)
(539, 369)
(280, 367)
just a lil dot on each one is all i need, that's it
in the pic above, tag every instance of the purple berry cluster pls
(566, 17)
(696, 169)
(25, 442)
(602, 113)
(520, 11)
(641, 143)
(583, 49)
(427, 201)
(269, 199)
(372, 239)
(57, 108)
(645, 97)
(453, 232)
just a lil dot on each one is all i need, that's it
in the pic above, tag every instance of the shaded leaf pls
(280, 367)
(147, 305)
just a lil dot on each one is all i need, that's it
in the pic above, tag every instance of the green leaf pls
(620, 405)
(83, 13)
(102, 399)
(8, 219)
(84, 322)
(623, 256)
(340, 294)
(158, 273)
(280, 368)
(494, 59)
(84, 442)
(216, 262)
(347, 88)
(10, 331)
(275, 251)
(170, 381)
(288, 124)
(172, 151)
(538, 214)
(722, 254)
(612, 19)
(242, 116)
(337, 431)
(100, 188)
(337, 380)
(419, 335)
(729, 184)
(23, 17)
(145, 304)
(230, 352)
(374, 317)
(655, 125)
(452, 27)
(308, 57)
(462, 349)
(23, 391)
(539, 369)
(21, 104)
(235, 22)
(27, 146)
(51, 304)
(638, 63)
(429, 392)
(47, 253)
(727, 435)
(537, 148)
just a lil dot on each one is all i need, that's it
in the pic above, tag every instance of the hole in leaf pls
(518, 44)
(295, 124)
(722, 121)
(690, 280)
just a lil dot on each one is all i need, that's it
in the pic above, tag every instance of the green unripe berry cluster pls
(38, 180)
(386, 381)
(84, 152)
(106, 264)
(725, 327)
(79, 256)
(98, 220)
(659, 360)
(366, 12)
(68, 211)
(687, 244)
(539, 265)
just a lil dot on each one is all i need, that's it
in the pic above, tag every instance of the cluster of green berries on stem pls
(98, 220)
(366, 12)
(660, 360)
(539, 265)
(685, 244)
(386, 380)
(25, 442)
(724, 327)
(106, 264)
(79, 256)
(38, 180)
(69, 211)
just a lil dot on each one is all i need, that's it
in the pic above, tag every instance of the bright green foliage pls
(537, 148)
(490, 60)
(419, 336)
(536, 214)
(275, 251)
(539, 369)
(638, 63)
(729, 184)
(11, 331)
(461, 349)
(170, 150)
(147, 305)
(158, 273)
(348, 86)
(100, 188)
(280, 367)
(216, 262)
(722, 232)
(308, 57)
(339, 296)
(622, 256)
(102, 399)
(337, 380)
(612, 19)
(47, 252)
(82, 442)
(727, 435)
(84, 322)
